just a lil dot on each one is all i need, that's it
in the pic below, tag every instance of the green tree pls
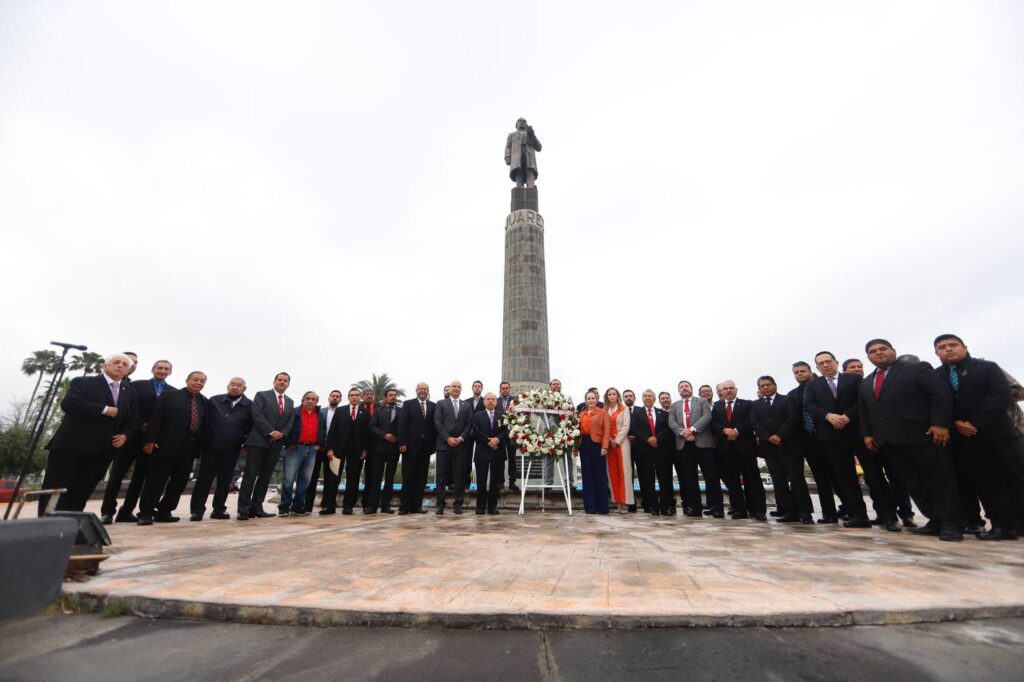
(381, 384)
(13, 444)
(39, 364)
(87, 361)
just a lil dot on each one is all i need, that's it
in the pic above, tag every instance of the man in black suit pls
(348, 441)
(452, 420)
(145, 394)
(327, 415)
(476, 403)
(173, 440)
(807, 438)
(98, 420)
(417, 438)
(986, 448)
(832, 400)
(774, 420)
(905, 411)
(272, 415)
(737, 454)
(651, 437)
(505, 400)
(491, 437)
(228, 423)
(383, 456)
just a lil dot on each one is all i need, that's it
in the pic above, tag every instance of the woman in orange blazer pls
(595, 429)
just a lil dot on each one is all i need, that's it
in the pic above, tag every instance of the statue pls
(521, 154)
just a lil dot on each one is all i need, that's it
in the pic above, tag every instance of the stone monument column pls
(524, 356)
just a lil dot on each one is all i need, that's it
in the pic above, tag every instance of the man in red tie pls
(652, 452)
(690, 422)
(348, 440)
(737, 455)
(272, 416)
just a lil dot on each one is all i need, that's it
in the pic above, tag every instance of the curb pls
(178, 609)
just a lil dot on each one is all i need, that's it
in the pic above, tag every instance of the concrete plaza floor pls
(547, 570)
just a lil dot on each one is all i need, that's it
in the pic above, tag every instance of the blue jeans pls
(298, 467)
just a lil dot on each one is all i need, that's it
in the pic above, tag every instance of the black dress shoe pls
(263, 515)
(974, 529)
(144, 521)
(950, 532)
(387, 510)
(877, 522)
(439, 511)
(857, 523)
(457, 510)
(299, 512)
(717, 514)
(788, 518)
(369, 511)
(242, 516)
(327, 512)
(420, 511)
(513, 487)
(346, 512)
(403, 512)
(631, 508)
(495, 512)
(997, 533)
(908, 522)
(283, 512)
(777, 514)
(166, 518)
(126, 518)
(699, 515)
(807, 520)
(107, 519)
(930, 528)
(893, 526)
(223, 516)
(828, 519)
(655, 512)
(195, 517)
(480, 512)
(741, 515)
(760, 517)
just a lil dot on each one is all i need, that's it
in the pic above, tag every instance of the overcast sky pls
(320, 188)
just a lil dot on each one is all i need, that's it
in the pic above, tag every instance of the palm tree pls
(88, 362)
(380, 384)
(41, 363)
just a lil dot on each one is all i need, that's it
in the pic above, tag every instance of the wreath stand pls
(561, 468)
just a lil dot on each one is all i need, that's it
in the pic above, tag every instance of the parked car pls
(7, 488)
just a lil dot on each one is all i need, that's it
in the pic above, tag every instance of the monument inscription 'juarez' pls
(524, 357)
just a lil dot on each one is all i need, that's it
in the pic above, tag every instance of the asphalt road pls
(90, 647)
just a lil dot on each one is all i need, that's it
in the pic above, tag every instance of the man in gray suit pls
(272, 416)
(452, 419)
(690, 421)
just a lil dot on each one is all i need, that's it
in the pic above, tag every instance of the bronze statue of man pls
(521, 149)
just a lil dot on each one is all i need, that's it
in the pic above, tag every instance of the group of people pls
(948, 439)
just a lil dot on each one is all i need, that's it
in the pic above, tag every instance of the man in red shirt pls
(304, 441)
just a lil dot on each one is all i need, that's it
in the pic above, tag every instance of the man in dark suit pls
(505, 400)
(832, 400)
(327, 415)
(905, 411)
(173, 442)
(690, 421)
(806, 437)
(417, 438)
(651, 435)
(348, 441)
(774, 420)
(272, 415)
(98, 420)
(452, 419)
(986, 449)
(228, 423)
(491, 436)
(737, 455)
(476, 404)
(383, 456)
(145, 394)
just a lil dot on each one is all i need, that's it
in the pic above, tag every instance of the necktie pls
(808, 417)
(280, 404)
(114, 391)
(879, 378)
(728, 412)
(455, 406)
(490, 416)
(193, 421)
(353, 413)
(423, 409)
(832, 385)
(650, 420)
(686, 413)
(954, 380)
(158, 388)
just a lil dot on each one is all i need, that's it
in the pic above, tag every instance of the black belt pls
(310, 443)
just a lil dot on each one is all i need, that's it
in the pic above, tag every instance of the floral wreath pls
(553, 441)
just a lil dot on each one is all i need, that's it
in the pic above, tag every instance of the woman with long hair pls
(620, 461)
(593, 452)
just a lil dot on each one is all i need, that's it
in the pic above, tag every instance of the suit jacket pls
(448, 424)
(740, 421)
(483, 431)
(416, 432)
(145, 397)
(227, 427)
(346, 435)
(778, 420)
(169, 422)
(912, 399)
(266, 418)
(640, 429)
(503, 403)
(700, 421)
(796, 396)
(818, 400)
(478, 407)
(982, 397)
(84, 429)
(380, 424)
